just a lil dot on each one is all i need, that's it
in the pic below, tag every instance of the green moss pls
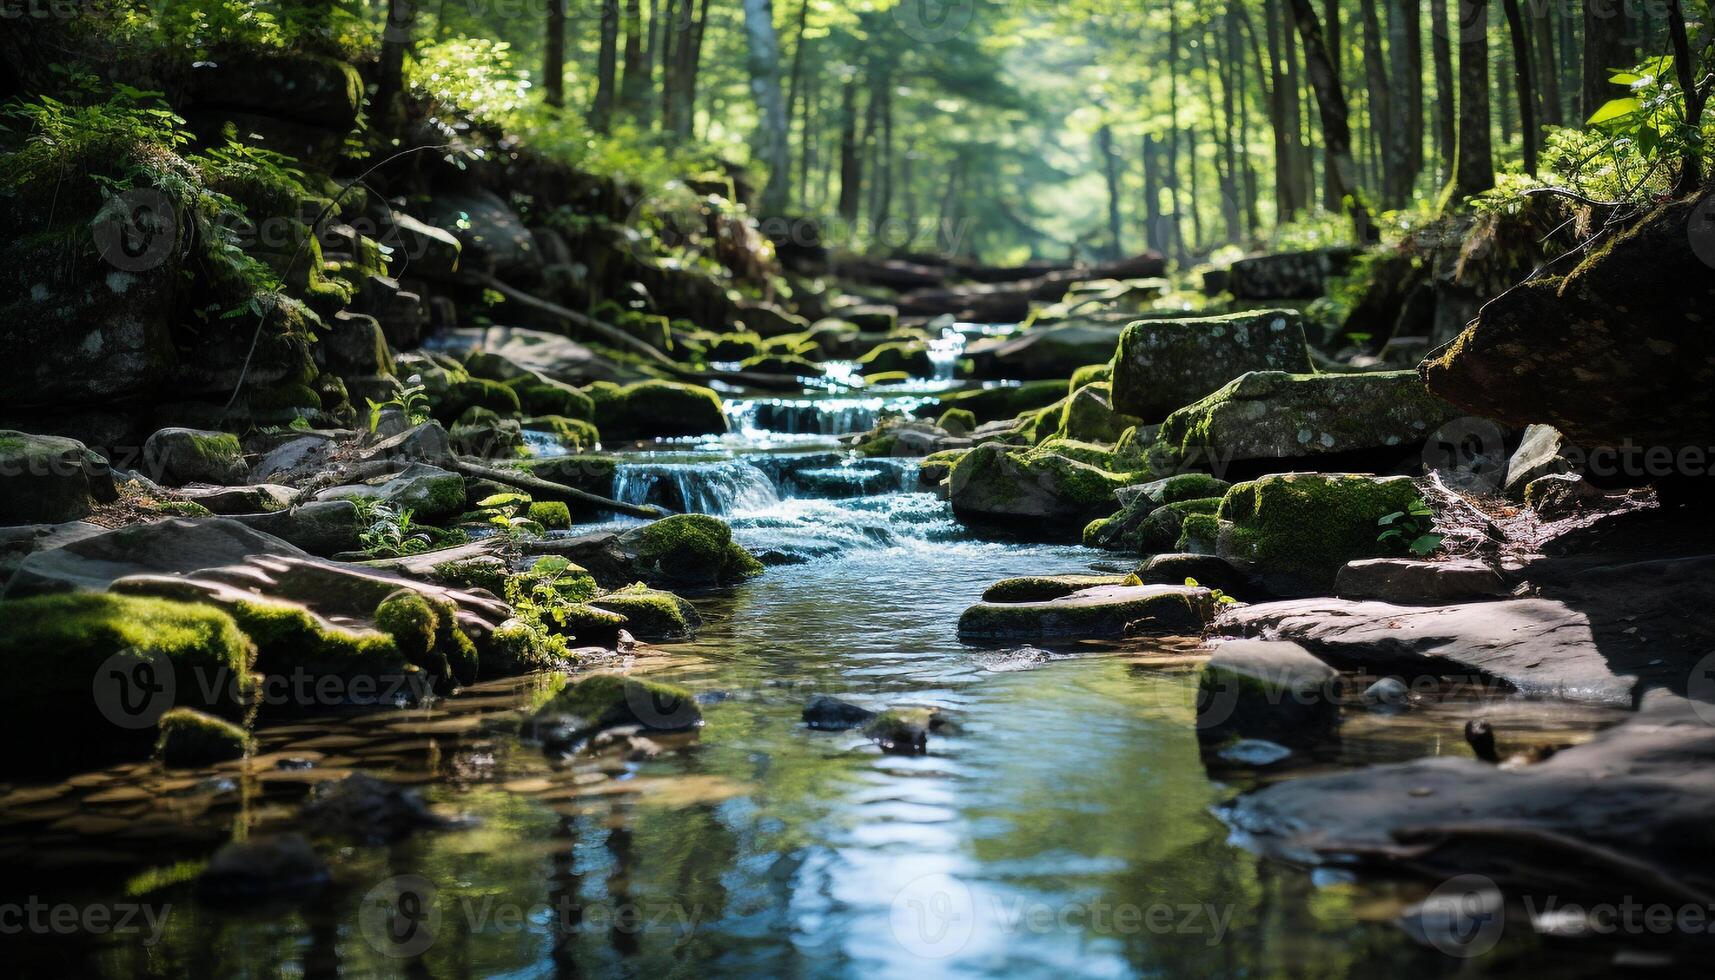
(737, 346)
(1090, 374)
(552, 398)
(180, 508)
(191, 738)
(910, 357)
(1003, 402)
(292, 641)
(587, 624)
(517, 648)
(656, 409)
(452, 643)
(1161, 530)
(694, 547)
(1298, 529)
(604, 700)
(1197, 534)
(936, 467)
(570, 582)
(1190, 486)
(1038, 588)
(551, 514)
(482, 572)
(412, 622)
(461, 396)
(1088, 453)
(651, 614)
(573, 434)
(958, 421)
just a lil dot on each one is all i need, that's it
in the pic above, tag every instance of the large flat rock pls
(1162, 365)
(1104, 612)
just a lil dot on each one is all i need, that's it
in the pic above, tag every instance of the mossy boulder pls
(591, 472)
(1270, 415)
(1293, 531)
(910, 357)
(957, 421)
(1101, 612)
(996, 481)
(602, 701)
(651, 614)
(177, 456)
(425, 631)
(1003, 401)
(551, 514)
(1162, 365)
(1088, 415)
(575, 435)
(1198, 534)
(656, 409)
(484, 434)
(430, 493)
(50, 479)
(292, 642)
(1161, 530)
(685, 549)
(1039, 588)
(936, 467)
(138, 656)
(462, 396)
(191, 738)
(543, 396)
(1123, 530)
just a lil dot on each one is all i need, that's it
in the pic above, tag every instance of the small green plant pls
(1410, 529)
(1216, 594)
(391, 532)
(507, 511)
(411, 401)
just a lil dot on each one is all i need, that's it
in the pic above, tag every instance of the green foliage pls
(390, 532)
(411, 401)
(204, 28)
(1409, 530)
(1220, 597)
(510, 513)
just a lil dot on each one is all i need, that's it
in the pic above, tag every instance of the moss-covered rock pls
(1161, 530)
(685, 549)
(488, 572)
(1002, 401)
(544, 396)
(1198, 534)
(1101, 612)
(177, 456)
(551, 514)
(137, 655)
(482, 433)
(430, 493)
(1161, 365)
(910, 357)
(1039, 588)
(936, 467)
(575, 435)
(957, 421)
(1088, 415)
(590, 472)
(49, 479)
(1269, 415)
(651, 614)
(191, 738)
(518, 647)
(462, 396)
(995, 481)
(656, 409)
(425, 631)
(292, 642)
(607, 700)
(1293, 531)
(901, 731)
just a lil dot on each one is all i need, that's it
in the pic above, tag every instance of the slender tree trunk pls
(1253, 220)
(851, 167)
(1336, 130)
(1287, 204)
(395, 40)
(762, 46)
(554, 55)
(1298, 149)
(634, 81)
(1446, 109)
(1336, 61)
(1412, 94)
(883, 205)
(672, 27)
(1543, 60)
(1522, 79)
(1474, 164)
(607, 60)
(1178, 228)
(1690, 167)
(1232, 63)
(795, 84)
(1153, 233)
(1111, 172)
(1381, 111)
(1606, 47)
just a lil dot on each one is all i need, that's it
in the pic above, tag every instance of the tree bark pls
(554, 55)
(1178, 226)
(1336, 130)
(607, 62)
(762, 46)
(1522, 79)
(1441, 53)
(1111, 173)
(1607, 47)
(1390, 165)
(395, 39)
(1287, 204)
(851, 166)
(1690, 168)
(635, 81)
(1474, 164)
(1547, 68)
(1336, 59)
(1153, 235)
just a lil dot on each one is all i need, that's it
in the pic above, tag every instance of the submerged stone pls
(832, 714)
(1103, 612)
(607, 700)
(1265, 689)
(1038, 588)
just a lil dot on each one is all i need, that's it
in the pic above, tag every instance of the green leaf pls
(1425, 544)
(503, 499)
(1387, 519)
(1613, 109)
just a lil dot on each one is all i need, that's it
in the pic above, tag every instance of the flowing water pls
(1067, 825)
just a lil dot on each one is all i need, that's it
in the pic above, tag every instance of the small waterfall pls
(944, 354)
(760, 417)
(713, 487)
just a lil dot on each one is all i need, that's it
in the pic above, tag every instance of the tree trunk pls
(1336, 60)
(607, 61)
(762, 47)
(1690, 168)
(1298, 151)
(635, 81)
(1336, 130)
(1522, 79)
(1390, 166)
(795, 84)
(851, 167)
(1606, 47)
(1474, 164)
(1230, 61)
(1412, 10)
(1253, 221)
(395, 39)
(883, 183)
(1178, 228)
(1286, 200)
(1111, 172)
(1153, 233)
(1441, 53)
(1547, 68)
(554, 55)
